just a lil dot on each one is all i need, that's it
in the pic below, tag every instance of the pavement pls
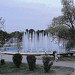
(66, 64)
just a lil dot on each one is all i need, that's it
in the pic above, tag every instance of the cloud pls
(20, 14)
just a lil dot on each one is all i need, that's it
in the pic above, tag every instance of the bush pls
(46, 63)
(31, 62)
(17, 59)
(2, 61)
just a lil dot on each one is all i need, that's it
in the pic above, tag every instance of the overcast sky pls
(27, 14)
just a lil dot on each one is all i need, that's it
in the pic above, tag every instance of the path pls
(66, 64)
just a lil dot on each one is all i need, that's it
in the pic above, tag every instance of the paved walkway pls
(66, 64)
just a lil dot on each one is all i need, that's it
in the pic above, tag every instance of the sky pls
(28, 14)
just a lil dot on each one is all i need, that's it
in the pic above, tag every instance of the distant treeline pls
(4, 36)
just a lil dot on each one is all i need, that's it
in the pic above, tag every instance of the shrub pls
(31, 59)
(2, 61)
(46, 63)
(17, 59)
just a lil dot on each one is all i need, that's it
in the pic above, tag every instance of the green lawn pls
(10, 69)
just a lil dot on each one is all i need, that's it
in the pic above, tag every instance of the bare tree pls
(2, 21)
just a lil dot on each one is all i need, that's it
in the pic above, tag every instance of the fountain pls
(41, 43)
(35, 43)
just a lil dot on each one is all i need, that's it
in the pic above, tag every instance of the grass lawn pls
(10, 69)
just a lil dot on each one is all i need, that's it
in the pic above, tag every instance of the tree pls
(66, 19)
(68, 16)
(4, 35)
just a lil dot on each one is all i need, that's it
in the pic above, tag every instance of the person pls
(54, 54)
(56, 57)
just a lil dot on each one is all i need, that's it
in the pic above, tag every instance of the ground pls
(64, 66)
(10, 69)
